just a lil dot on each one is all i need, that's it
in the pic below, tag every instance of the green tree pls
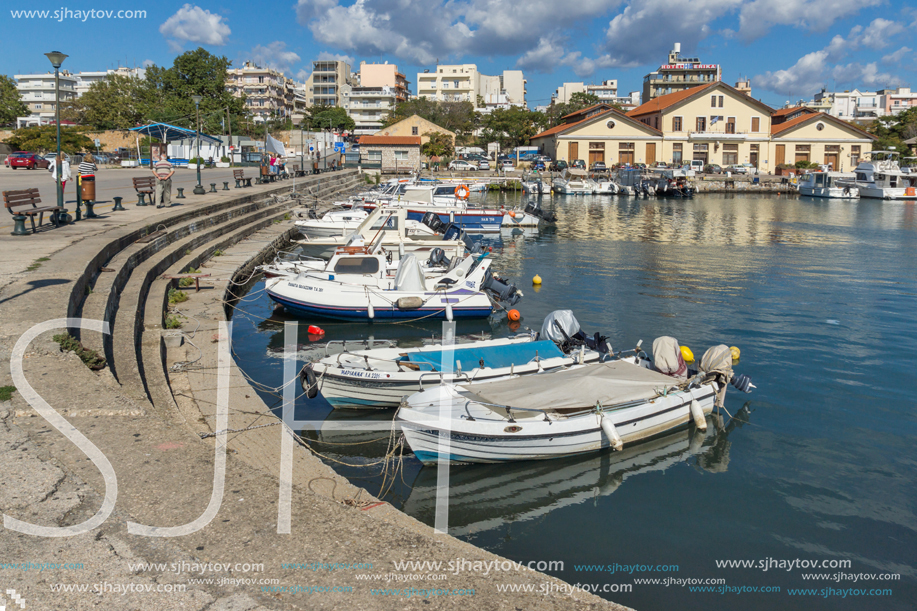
(457, 117)
(893, 130)
(511, 127)
(116, 102)
(440, 144)
(11, 105)
(323, 117)
(578, 101)
(193, 73)
(44, 139)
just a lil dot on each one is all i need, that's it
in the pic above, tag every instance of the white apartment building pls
(268, 93)
(607, 92)
(369, 107)
(329, 82)
(38, 94)
(464, 83)
(85, 80)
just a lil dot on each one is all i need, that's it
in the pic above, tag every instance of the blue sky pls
(789, 48)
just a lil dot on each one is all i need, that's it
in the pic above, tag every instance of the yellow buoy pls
(687, 355)
(536, 279)
(736, 353)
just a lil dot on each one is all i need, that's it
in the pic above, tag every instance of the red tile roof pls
(556, 129)
(396, 140)
(788, 111)
(611, 111)
(805, 118)
(669, 99)
(586, 110)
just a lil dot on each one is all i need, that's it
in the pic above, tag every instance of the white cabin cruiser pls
(881, 178)
(332, 223)
(834, 185)
(583, 408)
(573, 181)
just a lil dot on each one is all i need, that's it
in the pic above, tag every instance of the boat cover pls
(667, 357)
(567, 322)
(582, 387)
(409, 276)
(718, 360)
(494, 356)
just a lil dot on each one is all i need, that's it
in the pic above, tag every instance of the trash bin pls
(755, 180)
(88, 188)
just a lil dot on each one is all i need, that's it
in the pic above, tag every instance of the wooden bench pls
(239, 176)
(145, 185)
(23, 204)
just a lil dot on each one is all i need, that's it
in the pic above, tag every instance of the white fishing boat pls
(881, 178)
(606, 186)
(573, 181)
(583, 408)
(333, 223)
(834, 185)
(534, 185)
(379, 378)
(357, 285)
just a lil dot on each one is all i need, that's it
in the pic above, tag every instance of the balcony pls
(717, 135)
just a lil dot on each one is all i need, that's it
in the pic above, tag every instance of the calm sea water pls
(818, 464)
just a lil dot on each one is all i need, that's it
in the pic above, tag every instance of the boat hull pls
(381, 311)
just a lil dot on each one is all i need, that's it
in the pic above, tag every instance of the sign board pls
(98, 142)
(339, 147)
(689, 67)
(311, 149)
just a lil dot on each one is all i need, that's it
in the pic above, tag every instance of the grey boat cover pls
(582, 387)
(409, 277)
(567, 322)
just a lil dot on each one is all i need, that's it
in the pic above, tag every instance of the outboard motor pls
(562, 328)
(504, 292)
(454, 232)
(536, 210)
(438, 257)
(431, 220)
(667, 357)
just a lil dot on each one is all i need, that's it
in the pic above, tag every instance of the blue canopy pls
(494, 356)
(166, 133)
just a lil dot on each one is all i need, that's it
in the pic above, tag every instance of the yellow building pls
(415, 125)
(819, 138)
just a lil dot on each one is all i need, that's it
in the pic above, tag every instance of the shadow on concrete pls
(37, 284)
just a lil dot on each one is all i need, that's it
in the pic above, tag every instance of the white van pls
(697, 165)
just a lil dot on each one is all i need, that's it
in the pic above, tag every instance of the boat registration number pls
(305, 288)
(369, 375)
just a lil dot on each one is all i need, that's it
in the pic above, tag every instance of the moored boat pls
(834, 185)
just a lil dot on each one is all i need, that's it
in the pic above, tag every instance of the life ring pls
(462, 192)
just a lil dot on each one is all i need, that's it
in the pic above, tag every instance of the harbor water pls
(816, 465)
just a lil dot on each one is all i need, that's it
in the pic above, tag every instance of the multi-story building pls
(847, 105)
(38, 94)
(268, 93)
(606, 92)
(678, 74)
(383, 75)
(369, 107)
(85, 80)
(463, 83)
(565, 91)
(329, 81)
(895, 101)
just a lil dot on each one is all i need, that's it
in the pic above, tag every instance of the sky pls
(790, 49)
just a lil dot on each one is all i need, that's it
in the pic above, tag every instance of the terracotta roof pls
(402, 140)
(611, 111)
(556, 129)
(587, 109)
(788, 111)
(671, 99)
(805, 118)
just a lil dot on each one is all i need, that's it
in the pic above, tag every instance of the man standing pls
(163, 171)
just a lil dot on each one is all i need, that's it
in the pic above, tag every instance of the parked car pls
(558, 165)
(742, 168)
(28, 160)
(538, 165)
(712, 168)
(462, 165)
(697, 165)
(483, 164)
(661, 165)
(506, 164)
(579, 164)
(50, 157)
(598, 166)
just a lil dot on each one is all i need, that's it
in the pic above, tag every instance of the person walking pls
(65, 172)
(163, 171)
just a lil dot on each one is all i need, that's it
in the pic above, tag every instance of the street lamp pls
(57, 58)
(198, 189)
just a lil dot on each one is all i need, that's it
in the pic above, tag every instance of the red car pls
(22, 159)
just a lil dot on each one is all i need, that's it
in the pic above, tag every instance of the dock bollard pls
(141, 199)
(181, 193)
(118, 207)
(226, 186)
(238, 184)
(19, 225)
(213, 187)
(89, 213)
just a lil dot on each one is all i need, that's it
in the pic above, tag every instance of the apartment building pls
(464, 83)
(678, 74)
(268, 93)
(329, 81)
(369, 107)
(383, 75)
(85, 80)
(895, 101)
(606, 91)
(38, 94)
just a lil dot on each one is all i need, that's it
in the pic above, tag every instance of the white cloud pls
(194, 24)
(276, 56)
(876, 35)
(897, 56)
(337, 57)
(550, 53)
(147, 63)
(758, 17)
(806, 75)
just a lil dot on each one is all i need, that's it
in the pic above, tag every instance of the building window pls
(854, 155)
(656, 121)
(401, 155)
(676, 153)
(38, 107)
(755, 124)
(414, 130)
(730, 154)
(721, 101)
(713, 101)
(455, 84)
(445, 85)
(701, 125)
(596, 146)
(802, 152)
(731, 125)
(374, 155)
(676, 124)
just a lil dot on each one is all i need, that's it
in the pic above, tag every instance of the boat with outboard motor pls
(881, 178)
(573, 181)
(356, 284)
(834, 185)
(582, 408)
(379, 378)
(333, 223)
(672, 182)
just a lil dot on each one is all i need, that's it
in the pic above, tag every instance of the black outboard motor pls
(563, 329)
(536, 210)
(431, 220)
(454, 232)
(438, 257)
(506, 293)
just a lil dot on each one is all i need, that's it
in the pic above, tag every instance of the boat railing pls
(441, 377)
(367, 344)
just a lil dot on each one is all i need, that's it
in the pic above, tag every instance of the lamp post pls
(198, 189)
(57, 58)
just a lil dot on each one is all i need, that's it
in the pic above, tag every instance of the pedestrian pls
(65, 171)
(87, 166)
(163, 171)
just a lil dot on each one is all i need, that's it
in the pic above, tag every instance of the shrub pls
(173, 322)
(177, 296)
(6, 392)
(805, 165)
(90, 358)
(188, 281)
(224, 159)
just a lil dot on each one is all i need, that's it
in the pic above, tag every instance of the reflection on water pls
(821, 298)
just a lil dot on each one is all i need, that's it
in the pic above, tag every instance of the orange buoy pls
(313, 330)
(514, 315)
(512, 214)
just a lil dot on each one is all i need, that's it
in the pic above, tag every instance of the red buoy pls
(313, 330)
